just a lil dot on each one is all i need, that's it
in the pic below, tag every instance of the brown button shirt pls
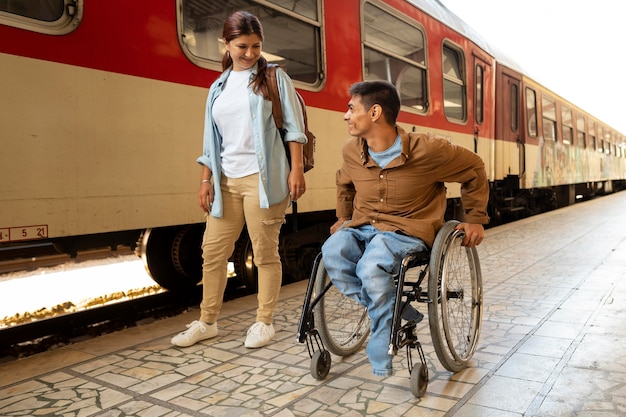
(409, 194)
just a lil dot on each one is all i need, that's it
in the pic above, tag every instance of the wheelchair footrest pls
(405, 336)
(314, 342)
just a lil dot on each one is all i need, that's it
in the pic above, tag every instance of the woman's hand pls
(205, 196)
(296, 183)
(206, 192)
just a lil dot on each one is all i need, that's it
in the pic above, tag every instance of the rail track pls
(41, 335)
(62, 325)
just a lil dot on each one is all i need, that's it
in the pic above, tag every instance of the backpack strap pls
(274, 95)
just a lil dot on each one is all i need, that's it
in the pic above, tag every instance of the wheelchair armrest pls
(417, 258)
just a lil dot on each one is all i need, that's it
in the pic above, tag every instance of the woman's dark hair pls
(245, 23)
(382, 93)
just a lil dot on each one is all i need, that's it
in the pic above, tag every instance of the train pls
(102, 112)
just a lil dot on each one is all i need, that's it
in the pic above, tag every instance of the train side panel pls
(93, 151)
(104, 121)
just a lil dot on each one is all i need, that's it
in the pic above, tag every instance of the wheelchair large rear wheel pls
(343, 324)
(456, 298)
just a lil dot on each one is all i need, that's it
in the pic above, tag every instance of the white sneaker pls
(259, 335)
(196, 331)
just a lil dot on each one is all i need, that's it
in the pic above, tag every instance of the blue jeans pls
(361, 263)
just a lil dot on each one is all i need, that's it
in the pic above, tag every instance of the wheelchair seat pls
(416, 259)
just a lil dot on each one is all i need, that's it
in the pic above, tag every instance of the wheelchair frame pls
(453, 295)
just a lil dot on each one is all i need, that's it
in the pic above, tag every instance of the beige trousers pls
(241, 204)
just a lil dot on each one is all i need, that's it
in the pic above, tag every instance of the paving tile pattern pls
(551, 345)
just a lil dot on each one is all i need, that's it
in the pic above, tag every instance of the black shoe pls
(409, 313)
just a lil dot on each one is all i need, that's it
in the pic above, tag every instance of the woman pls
(246, 177)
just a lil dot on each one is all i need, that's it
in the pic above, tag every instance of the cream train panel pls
(87, 151)
(95, 151)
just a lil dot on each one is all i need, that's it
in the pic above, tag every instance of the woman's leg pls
(217, 247)
(264, 229)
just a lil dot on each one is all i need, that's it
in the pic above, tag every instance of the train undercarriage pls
(173, 255)
(509, 202)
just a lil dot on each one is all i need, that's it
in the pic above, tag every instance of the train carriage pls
(102, 114)
(550, 152)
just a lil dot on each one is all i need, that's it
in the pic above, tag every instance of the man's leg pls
(341, 252)
(377, 267)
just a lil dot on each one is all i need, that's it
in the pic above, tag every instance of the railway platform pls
(552, 344)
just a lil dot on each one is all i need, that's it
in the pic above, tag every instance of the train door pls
(483, 113)
(509, 137)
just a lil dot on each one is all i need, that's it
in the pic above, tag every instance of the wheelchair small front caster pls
(320, 364)
(419, 380)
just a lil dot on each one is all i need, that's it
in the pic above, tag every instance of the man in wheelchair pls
(391, 200)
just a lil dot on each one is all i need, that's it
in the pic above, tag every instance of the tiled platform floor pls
(552, 344)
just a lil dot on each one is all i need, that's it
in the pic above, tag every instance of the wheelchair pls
(448, 279)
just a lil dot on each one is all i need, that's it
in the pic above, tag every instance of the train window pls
(566, 125)
(592, 134)
(581, 140)
(600, 147)
(292, 33)
(514, 100)
(479, 94)
(549, 118)
(453, 83)
(394, 50)
(54, 17)
(305, 8)
(531, 112)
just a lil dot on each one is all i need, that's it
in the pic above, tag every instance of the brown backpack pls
(308, 149)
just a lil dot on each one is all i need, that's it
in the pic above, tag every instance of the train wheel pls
(245, 269)
(157, 252)
(187, 251)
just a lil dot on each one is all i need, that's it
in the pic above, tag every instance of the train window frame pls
(209, 55)
(600, 147)
(514, 107)
(71, 15)
(479, 94)
(591, 131)
(531, 112)
(407, 74)
(548, 118)
(609, 141)
(567, 126)
(581, 132)
(449, 81)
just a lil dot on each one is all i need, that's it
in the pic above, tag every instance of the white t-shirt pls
(231, 112)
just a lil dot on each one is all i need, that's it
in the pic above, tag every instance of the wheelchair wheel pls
(419, 380)
(343, 324)
(455, 291)
(320, 364)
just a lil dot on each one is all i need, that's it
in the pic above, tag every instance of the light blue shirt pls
(388, 155)
(273, 165)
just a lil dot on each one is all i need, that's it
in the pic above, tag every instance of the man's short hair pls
(379, 92)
